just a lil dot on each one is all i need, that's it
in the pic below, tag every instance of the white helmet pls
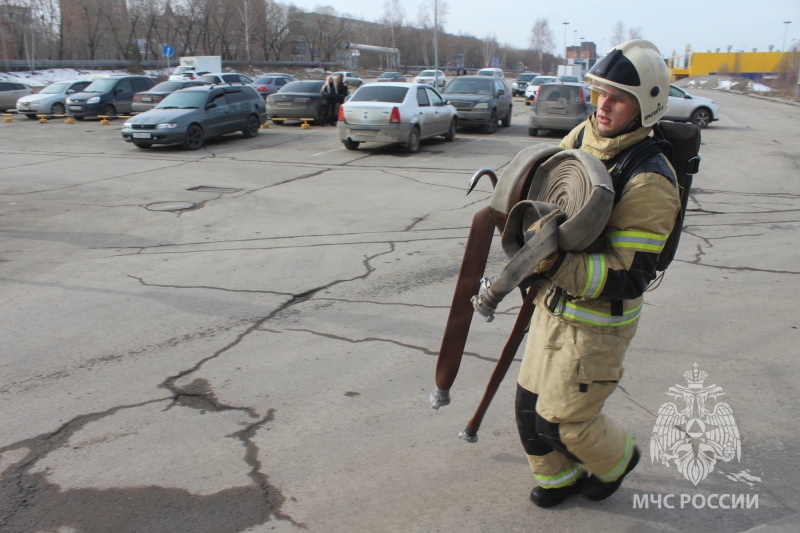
(636, 67)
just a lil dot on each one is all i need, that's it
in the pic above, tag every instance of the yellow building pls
(753, 65)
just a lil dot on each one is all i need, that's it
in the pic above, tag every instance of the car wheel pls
(30, 116)
(109, 111)
(58, 109)
(277, 122)
(194, 138)
(507, 119)
(701, 117)
(251, 127)
(142, 145)
(412, 145)
(450, 136)
(533, 132)
(491, 126)
(351, 144)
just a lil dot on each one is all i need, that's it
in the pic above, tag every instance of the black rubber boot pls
(597, 490)
(551, 497)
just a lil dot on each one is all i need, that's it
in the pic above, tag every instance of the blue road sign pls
(168, 51)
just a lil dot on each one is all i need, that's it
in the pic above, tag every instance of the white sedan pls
(685, 107)
(396, 113)
(436, 78)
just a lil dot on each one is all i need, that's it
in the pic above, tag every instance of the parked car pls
(51, 100)
(533, 87)
(481, 101)
(271, 83)
(190, 74)
(192, 115)
(391, 76)
(110, 96)
(395, 113)
(226, 78)
(147, 100)
(685, 107)
(432, 77)
(521, 83)
(351, 80)
(10, 93)
(491, 72)
(559, 106)
(298, 99)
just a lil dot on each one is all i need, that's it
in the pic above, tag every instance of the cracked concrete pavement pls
(261, 361)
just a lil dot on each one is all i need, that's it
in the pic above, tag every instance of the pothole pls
(170, 206)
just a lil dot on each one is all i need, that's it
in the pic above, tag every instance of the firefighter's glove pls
(548, 263)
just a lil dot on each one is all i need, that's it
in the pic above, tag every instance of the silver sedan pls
(50, 100)
(395, 113)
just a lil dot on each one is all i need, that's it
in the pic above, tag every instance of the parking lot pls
(244, 337)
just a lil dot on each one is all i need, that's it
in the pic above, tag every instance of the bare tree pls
(635, 33)
(490, 47)
(393, 16)
(618, 33)
(542, 42)
(431, 14)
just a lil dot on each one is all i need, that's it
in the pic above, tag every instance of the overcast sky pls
(670, 24)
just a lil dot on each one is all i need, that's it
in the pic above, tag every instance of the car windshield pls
(543, 79)
(526, 77)
(302, 87)
(462, 86)
(184, 100)
(56, 88)
(100, 86)
(265, 80)
(426, 73)
(375, 93)
(167, 87)
(564, 93)
(485, 73)
(573, 79)
(389, 75)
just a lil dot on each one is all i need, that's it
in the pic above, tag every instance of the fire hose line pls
(539, 180)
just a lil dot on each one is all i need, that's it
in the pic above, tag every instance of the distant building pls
(584, 55)
(754, 65)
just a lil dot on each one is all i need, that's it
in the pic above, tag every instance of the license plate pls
(75, 107)
(146, 99)
(140, 135)
(283, 103)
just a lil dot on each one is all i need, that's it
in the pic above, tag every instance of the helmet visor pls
(617, 68)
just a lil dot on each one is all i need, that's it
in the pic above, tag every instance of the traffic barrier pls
(7, 117)
(265, 125)
(42, 119)
(306, 125)
(103, 119)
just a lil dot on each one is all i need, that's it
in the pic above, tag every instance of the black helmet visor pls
(617, 68)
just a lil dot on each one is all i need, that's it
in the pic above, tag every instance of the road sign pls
(168, 51)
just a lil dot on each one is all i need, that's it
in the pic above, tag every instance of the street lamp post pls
(435, 44)
(565, 41)
(785, 27)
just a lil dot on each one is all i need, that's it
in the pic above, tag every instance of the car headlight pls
(481, 106)
(127, 126)
(93, 100)
(167, 126)
(515, 85)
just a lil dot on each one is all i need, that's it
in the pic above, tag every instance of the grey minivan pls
(559, 106)
(110, 96)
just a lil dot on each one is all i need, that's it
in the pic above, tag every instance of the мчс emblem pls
(695, 430)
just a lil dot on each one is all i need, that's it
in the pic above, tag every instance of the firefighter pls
(589, 305)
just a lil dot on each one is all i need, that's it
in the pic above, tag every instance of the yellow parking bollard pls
(7, 117)
(265, 126)
(69, 120)
(42, 119)
(306, 125)
(104, 119)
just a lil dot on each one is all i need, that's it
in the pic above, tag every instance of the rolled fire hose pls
(575, 182)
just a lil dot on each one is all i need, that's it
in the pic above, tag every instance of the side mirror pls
(118, 90)
(501, 92)
(212, 105)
